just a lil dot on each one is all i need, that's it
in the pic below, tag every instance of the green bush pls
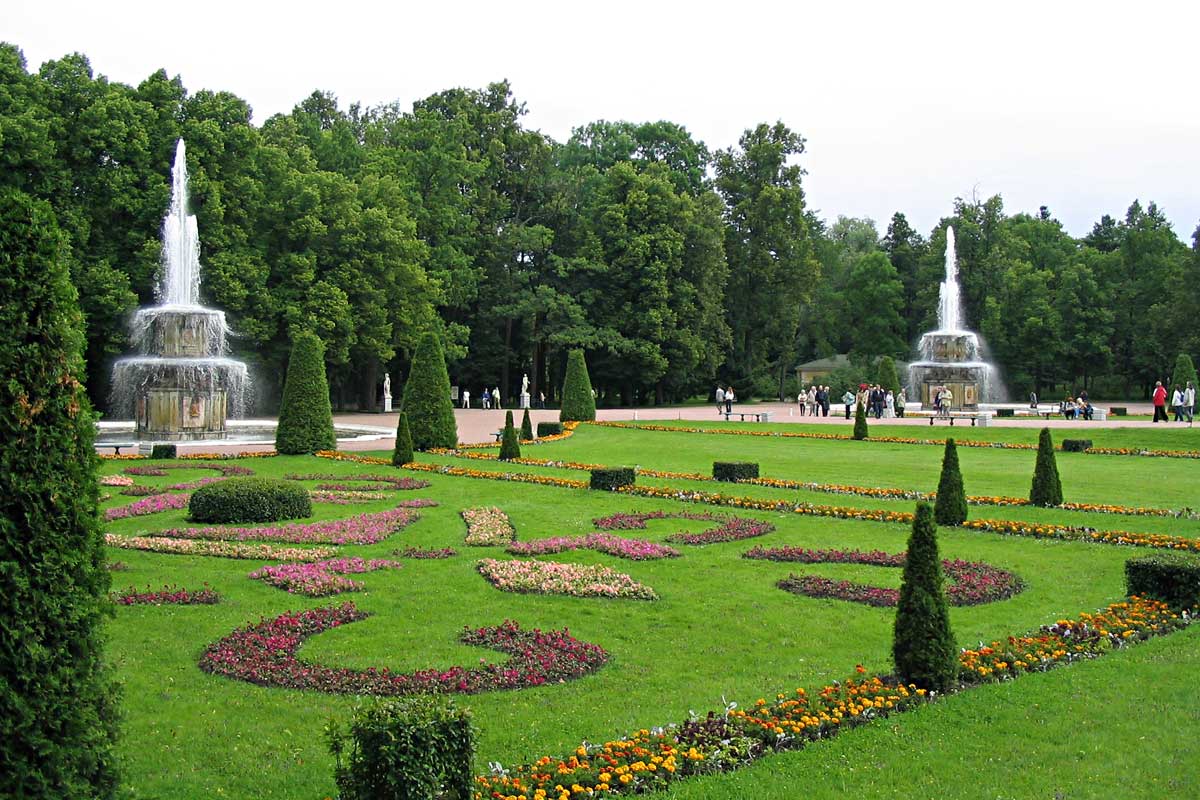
(887, 377)
(922, 643)
(549, 429)
(305, 417)
(578, 403)
(1118, 411)
(950, 507)
(526, 427)
(413, 748)
(510, 448)
(1171, 577)
(612, 478)
(250, 500)
(1006, 412)
(403, 451)
(427, 398)
(1185, 372)
(58, 704)
(162, 451)
(860, 423)
(1047, 488)
(1076, 445)
(734, 470)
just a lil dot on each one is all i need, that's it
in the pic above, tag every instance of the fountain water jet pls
(181, 385)
(951, 356)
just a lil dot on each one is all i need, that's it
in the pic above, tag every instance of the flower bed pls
(168, 595)
(426, 552)
(632, 549)
(202, 547)
(721, 741)
(116, 480)
(551, 577)
(155, 504)
(730, 528)
(321, 578)
(159, 470)
(376, 483)
(488, 526)
(971, 583)
(362, 529)
(342, 497)
(265, 654)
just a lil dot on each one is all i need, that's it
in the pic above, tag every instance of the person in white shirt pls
(1189, 402)
(466, 399)
(1177, 403)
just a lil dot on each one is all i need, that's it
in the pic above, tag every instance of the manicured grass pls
(721, 628)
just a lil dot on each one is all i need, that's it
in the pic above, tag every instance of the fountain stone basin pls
(179, 331)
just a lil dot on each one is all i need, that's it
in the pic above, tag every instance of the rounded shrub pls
(403, 451)
(58, 703)
(578, 403)
(1047, 488)
(250, 500)
(510, 448)
(922, 642)
(305, 416)
(549, 429)
(427, 397)
(950, 507)
(1076, 445)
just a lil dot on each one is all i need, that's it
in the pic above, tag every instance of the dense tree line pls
(672, 266)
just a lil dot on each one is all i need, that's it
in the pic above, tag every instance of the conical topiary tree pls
(950, 507)
(1047, 488)
(526, 427)
(578, 403)
(888, 378)
(403, 452)
(427, 397)
(860, 422)
(305, 417)
(922, 643)
(1185, 372)
(510, 448)
(58, 705)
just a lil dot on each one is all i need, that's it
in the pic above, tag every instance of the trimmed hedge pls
(1006, 412)
(412, 748)
(402, 453)
(1047, 488)
(305, 417)
(250, 500)
(923, 646)
(612, 478)
(510, 448)
(1076, 445)
(427, 398)
(1118, 411)
(162, 451)
(950, 507)
(578, 402)
(734, 470)
(59, 707)
(526, 427)
(1173, 578)
(549, 429)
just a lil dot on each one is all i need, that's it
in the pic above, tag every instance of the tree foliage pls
(861, 430)
(1047, 488)
(402, 453)
(510, 448)
(427, 400)
(950, 506)
(578, 404)
(305, 416)
(923, 646)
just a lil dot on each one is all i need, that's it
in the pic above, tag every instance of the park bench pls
(116, 446)
(975, 416)
(759, 416)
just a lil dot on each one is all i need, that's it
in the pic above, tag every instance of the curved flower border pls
(730, 528)
(321, 578)
(204, 547)
(632, 549)
(168, 595)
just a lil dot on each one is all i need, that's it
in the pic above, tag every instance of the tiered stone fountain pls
(951, 356)
(181, 385)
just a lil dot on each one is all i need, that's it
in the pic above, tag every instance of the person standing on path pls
(496, 397)
(466, 399)
(729, 400)
(1160, 402)
(1189, 402)
(1177, 403)
(847, 401)
(720, 395)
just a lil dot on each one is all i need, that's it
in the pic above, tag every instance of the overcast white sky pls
(1080, 106)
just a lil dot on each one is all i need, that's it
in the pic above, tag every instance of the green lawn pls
(720, 630)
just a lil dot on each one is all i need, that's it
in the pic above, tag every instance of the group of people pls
(943, 400)
(1077, 407)
(814, 402)
(879, 402)
(1183, 402)
(725, 398)
(489, 399)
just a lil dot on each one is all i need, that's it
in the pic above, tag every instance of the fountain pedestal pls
(177, 414)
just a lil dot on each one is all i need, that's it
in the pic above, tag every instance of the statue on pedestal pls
(387, 393)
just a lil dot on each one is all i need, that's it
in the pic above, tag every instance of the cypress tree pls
(1047, 488)
(510, 448)
(950, 508)
(305, 416)
(403, 452)
(1185, 372)
(860, 422)
(427, 397)
(526, 427)
(58, 704)
(922, 643)
(577, 400)
(888, 378)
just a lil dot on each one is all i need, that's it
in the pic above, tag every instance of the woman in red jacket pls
(1160, 402)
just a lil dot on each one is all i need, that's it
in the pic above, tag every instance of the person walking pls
(1177, 403)
(466, 399)
(1033, 400)
(1159, 397)
(847, 401)
(720, 395)
(486, 399)
(900, 402)
(729, 400)
(825, 401)
(496, 398)
(889, 405)
(1189, 402)
(800, 398)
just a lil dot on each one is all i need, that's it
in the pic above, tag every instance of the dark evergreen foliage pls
(950, 507)
(305, 416)
(578, 403)
(427, 398)
(860, 422)
(1171, 577)
(887, 377)
(58, 704)
(734, 470)
(1076, 445)
(1184, 372)
(526, 427)
(923, 646)
(237, 500)
(549, 429)
(403, 452)
(510, 448)
(612, 478)
(162, 451)
(1047, 488)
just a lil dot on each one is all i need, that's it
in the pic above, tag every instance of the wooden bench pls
(759, 416)
(499, 435)
(116, 446)
(974, 416)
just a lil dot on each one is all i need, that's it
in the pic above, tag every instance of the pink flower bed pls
(169, 595)
(161, 469)
(201, 547)
(116, 480)
(551, 577)
(362, 529)
(632, 549)
(343, 497)
(487, 526)
(376, 483)
(730, 528)
(155, 504)
(970, 582)
(423, 552)
(265, 654)
(321, 578)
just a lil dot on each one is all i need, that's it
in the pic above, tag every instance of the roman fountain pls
(951, 357)
(181, 385)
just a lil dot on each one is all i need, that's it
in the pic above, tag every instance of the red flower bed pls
(730, 528)
(265, 654)
(169, 595)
